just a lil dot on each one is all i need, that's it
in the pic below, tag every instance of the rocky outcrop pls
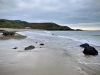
(89, 50)
(29, 47)
(8, 33)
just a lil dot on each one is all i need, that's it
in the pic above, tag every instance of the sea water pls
(69, 42)
(62, 37)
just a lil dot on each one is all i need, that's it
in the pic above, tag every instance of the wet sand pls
(39, 61)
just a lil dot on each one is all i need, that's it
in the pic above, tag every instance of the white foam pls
(81, 40)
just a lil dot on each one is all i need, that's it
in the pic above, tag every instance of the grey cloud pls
(62, 12)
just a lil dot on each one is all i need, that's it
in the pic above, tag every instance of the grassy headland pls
(23, 24)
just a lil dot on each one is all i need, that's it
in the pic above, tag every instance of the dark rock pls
(84, 45)
(15, 48)
(29, 47)
(41, 44)
(7, 33)
(89, 50)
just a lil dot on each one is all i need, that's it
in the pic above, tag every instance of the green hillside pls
(22, 24)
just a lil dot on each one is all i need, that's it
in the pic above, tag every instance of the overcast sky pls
(84, 14)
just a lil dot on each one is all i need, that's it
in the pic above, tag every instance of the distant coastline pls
(18, 24)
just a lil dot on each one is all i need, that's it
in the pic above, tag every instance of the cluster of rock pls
(89, 50)
(29, 47)
(8, 33)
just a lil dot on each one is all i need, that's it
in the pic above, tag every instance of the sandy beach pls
(39, 61)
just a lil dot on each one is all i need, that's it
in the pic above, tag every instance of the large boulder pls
(29, 47)
(89, 50)
(84, 45)
(8, 33)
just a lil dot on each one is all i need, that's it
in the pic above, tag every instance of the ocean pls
(68, 41)
(62, 37)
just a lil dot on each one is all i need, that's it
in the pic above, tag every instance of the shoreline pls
(41, 61)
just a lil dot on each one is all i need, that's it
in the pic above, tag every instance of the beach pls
(55, 57)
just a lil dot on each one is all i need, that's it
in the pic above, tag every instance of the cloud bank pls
(65, 12)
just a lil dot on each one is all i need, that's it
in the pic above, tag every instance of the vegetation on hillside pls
(22, 24)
